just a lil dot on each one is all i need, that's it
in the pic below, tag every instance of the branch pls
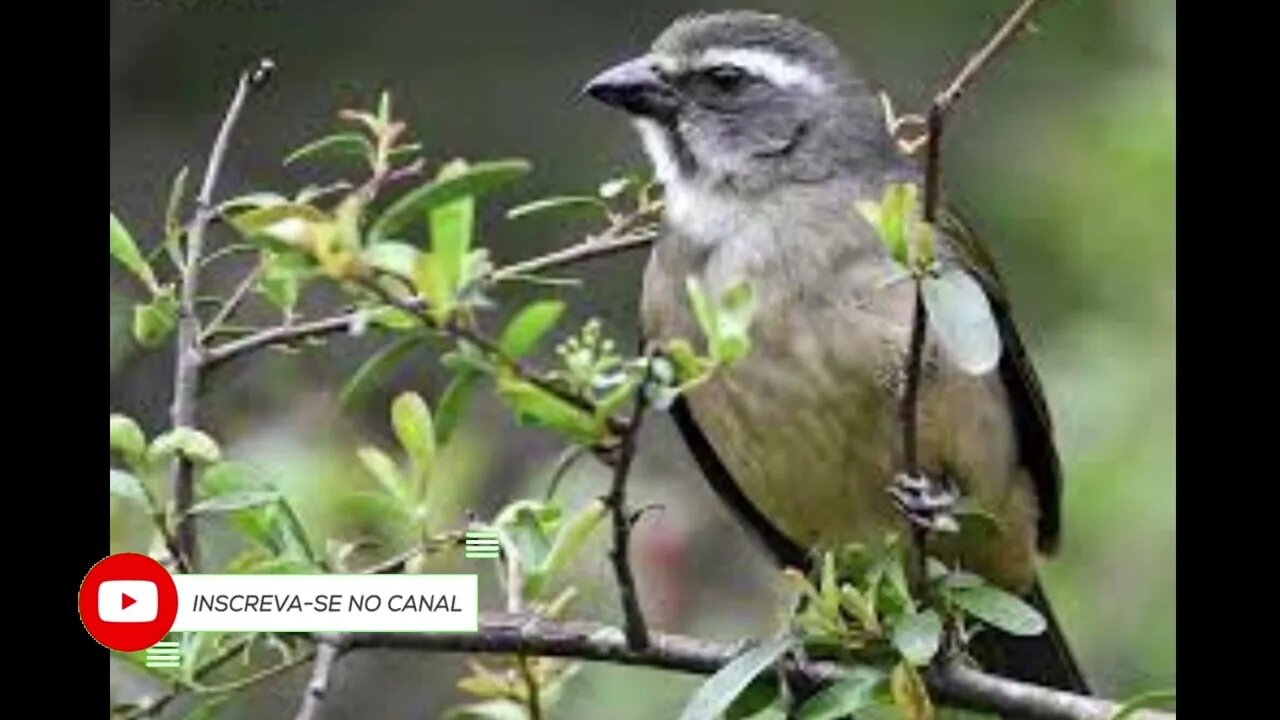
(281, 334)
(186, 381)
(630, 232)
(602, 246)
(318, 687)
(459, 331)
(943, 101)
(616, 500)
(229, 307)
(508, 634)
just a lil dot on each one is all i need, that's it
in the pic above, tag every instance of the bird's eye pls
(726, 78)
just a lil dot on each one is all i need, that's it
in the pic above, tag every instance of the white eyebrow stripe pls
(770, 65)
(665, 63)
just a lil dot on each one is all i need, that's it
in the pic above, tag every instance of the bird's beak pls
(637, 87)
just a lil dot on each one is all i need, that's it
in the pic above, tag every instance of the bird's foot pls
(927, 504)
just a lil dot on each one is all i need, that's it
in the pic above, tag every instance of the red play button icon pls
(128, 602)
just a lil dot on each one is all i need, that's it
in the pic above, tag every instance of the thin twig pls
(505, 634)
(457, 330)
(628, 233)
(282, 334)
(943, 101)
(233, 303)
(533, 696)
(515, 585)
(313, 698)
(909, 410)
(568, 458)
(156, 706)
(586, 250)
(186, 382)
(620, 554)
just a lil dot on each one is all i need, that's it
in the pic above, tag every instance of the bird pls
(765, 139)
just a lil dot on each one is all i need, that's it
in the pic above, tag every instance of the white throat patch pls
(657, 146)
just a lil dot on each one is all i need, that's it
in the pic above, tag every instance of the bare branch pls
(233, 303)
(186, 383)
(317, 690)
(620, 554)
(531, 635)
(282, 334)
(945, 99)
(602, 246)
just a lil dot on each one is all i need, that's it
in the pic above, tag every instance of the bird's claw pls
(926, 504)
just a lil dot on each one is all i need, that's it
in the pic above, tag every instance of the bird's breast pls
(807, 422)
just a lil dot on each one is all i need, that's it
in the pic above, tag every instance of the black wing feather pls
(1034, 428)
(784, 551)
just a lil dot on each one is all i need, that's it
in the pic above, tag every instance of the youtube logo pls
(128, 602)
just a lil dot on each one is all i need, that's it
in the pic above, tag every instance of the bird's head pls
(748, 100)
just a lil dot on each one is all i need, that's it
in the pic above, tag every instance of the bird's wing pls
(783, 550)
(1030, 411)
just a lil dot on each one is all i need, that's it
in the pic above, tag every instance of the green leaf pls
(392, 318)
(253, 201)
(703, 310)
(844, 698)
(524, 331)
(393, 258)
(172, 220)
(453, 403)
(477, 180)
(898, 201)
(733, 321)
(128, 441)
(909, 693)
(432, 280)
(571, 538)
(917, 636)
(999, 609)
(690, 366)
(527, 534)
(383, 469)
(155, 320)
(721, 689)
(1155, 699)
(260, 524)
(496, 709)
(286, 226)
(126, 252)
(452, 227)
(534, 405)
(128, 486)
(377, 367)
(375, 508)
(349, 144)
(758, 696)
(192, 444)
(411, 419)
(384, 107)
(614, 187)
(230, 502)
(960, 315)
(583, 203)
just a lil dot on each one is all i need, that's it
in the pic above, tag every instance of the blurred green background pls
(1063, 157)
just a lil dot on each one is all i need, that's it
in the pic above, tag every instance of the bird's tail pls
(1044, 659)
